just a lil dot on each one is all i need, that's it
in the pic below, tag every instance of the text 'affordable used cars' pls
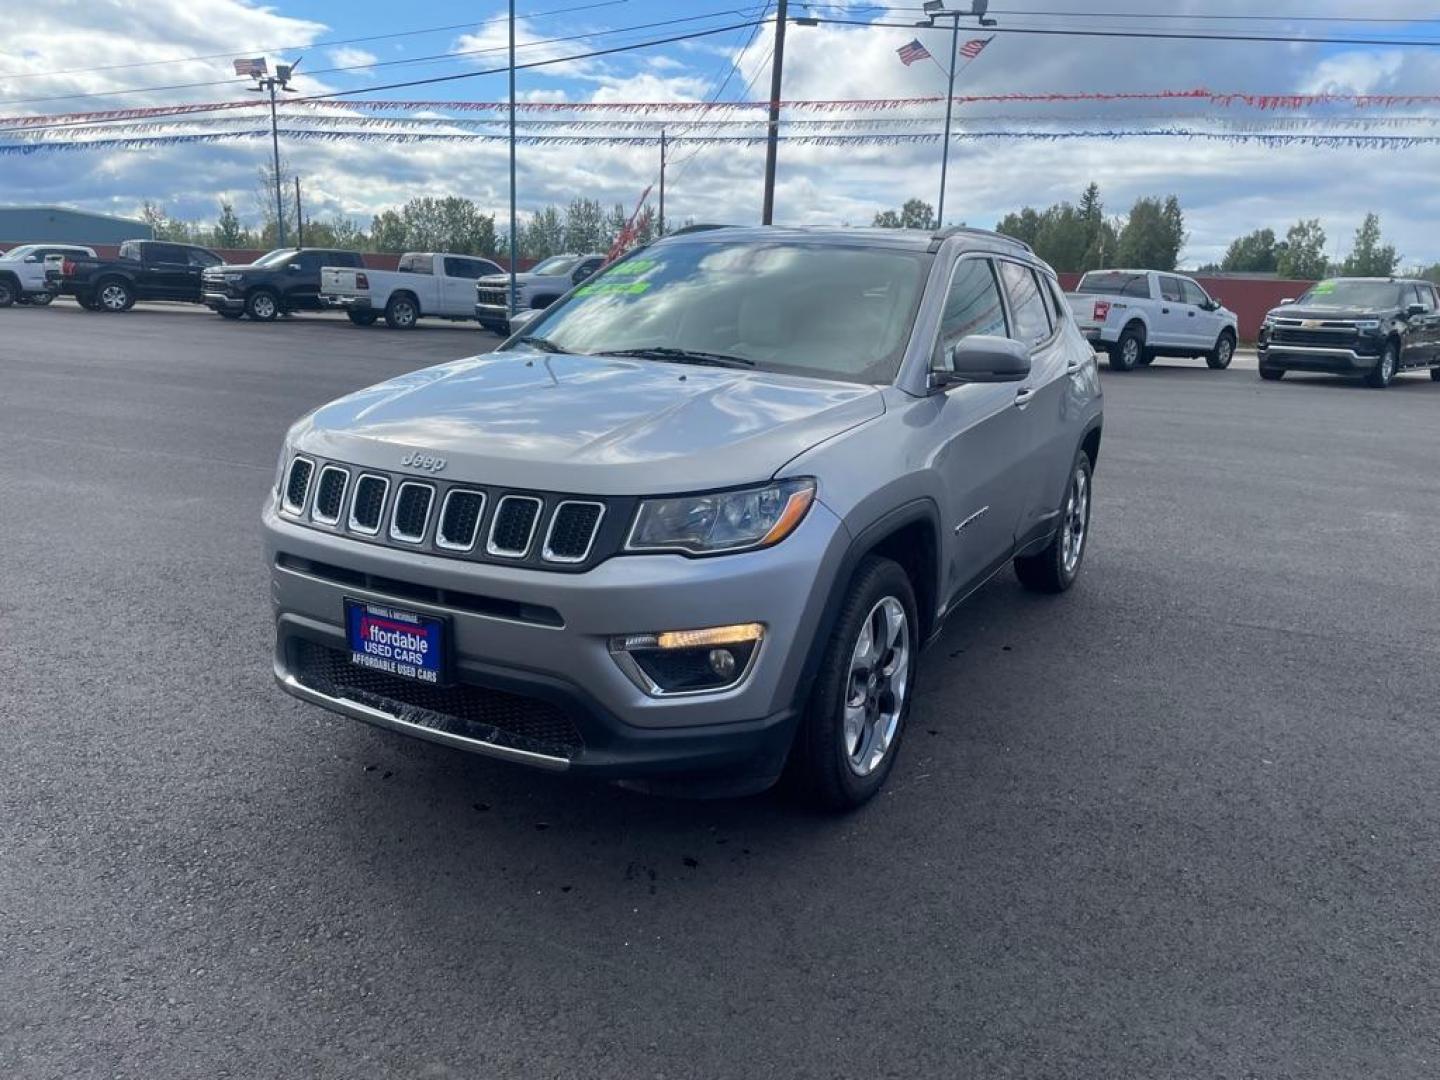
(693, 526)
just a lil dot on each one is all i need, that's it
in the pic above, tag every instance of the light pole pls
(772, 137)
(934, 10)
(264, 82)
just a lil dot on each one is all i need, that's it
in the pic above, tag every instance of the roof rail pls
(939, 236)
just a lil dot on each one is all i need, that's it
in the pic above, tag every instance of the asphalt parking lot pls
(1182, 822)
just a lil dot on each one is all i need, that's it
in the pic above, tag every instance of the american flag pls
(974, 47)
(913, 52)
(255, 66)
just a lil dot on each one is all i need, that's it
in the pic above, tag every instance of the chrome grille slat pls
(460, 516)
(330, 495)
(411, 514)
(367, 508)
(573, 528)
(512, 527)
(297, 485)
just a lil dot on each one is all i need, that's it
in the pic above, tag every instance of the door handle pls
(1191, 314)
(1164, 311)
(1073, 366)
(1024, 396)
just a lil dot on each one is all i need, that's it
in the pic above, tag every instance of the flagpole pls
(949, 104)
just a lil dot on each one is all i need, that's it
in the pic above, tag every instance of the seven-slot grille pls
(495, 296)
(460, 519)
(412, 512)
(572, 531)
(515, 527)
(297, 484)
(330, 494)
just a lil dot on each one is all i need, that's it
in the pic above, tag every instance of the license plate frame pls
(397, 641)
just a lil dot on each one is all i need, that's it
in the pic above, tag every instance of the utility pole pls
(299, 216)
(772, 138)
(935, 9)
(514, 246)
(263, 82)
(661, 230)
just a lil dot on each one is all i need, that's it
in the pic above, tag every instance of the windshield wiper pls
(683, 356)
(543, 344)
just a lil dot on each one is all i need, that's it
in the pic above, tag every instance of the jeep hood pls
(589, 425)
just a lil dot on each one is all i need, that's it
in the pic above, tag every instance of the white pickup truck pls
(1137, 315)
(22, 271)
(426, 283)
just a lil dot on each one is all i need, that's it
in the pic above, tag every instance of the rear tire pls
(1383, 373)
(262, 305)
(1224, 351)
(1129, 352)
(401, 313)
(1055, 569)
(8, 293)
(114, 295)
(42, 299)
(855, 718)
(1435, 374)
(362, 318)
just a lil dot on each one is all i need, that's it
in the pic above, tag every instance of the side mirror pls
(1287, 300)
(294, 268)
(581, 273)
(982, 358)
(1415, 309)
(521, 319)
(32, 258)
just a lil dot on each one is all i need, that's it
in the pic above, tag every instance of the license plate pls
(395, 641)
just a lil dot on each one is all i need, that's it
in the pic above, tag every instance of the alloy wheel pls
(876, 686)
(113, 298)
(1130, 352)
(262, 306)
(1077, 521)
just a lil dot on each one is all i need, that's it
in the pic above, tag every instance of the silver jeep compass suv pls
(693, 526)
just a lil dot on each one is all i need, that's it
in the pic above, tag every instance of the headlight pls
(1367, 324)
(722, 521)
(1269, 323)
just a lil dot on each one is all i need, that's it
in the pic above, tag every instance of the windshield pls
(556, 264)
(270, 258)
(819, 310)
(1114, 284)
(1353, 294)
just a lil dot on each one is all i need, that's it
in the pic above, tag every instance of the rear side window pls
(416, 264)
(1170, 290)
(1027, 304)
(166, 253)
(972, 305)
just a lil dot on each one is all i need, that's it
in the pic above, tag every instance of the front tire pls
(1435, 374)
(855, 718)
(1224, 351)
(262, 305)
(1129, 352)
(41, 299)
(1383, 373)
(1271, 374)
(401, 313)
(1055, 569)
(8, 293)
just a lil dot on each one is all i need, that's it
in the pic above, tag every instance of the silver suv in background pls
(693, 526)
(536, 289)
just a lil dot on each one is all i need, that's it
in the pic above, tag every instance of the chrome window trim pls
(285, 505)
(355, 526)
(419, 537)
(503, 553)
(549, 556)
(315, 514)
(440, 541)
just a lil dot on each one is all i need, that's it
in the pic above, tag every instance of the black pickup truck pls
(1372, 328)
(277, 283)
(145, 270)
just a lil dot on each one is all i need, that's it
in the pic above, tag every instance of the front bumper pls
(222, 301)
(492, 314)
(620, 731)
(1333, 361)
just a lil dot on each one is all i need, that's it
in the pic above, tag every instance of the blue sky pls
(1226, 189)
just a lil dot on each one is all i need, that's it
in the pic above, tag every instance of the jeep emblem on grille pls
(426, 462)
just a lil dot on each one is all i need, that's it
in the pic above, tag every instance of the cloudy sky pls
(68, 56)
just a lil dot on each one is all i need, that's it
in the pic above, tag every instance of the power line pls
(270, 49)
(440, 57)
(1160, 35)
(1178, 16)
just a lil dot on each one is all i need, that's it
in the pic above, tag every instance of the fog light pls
(688, 661)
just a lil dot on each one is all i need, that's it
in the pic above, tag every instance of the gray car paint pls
(986, 465)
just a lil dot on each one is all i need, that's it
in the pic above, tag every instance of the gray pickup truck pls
(693, 526)
(535, 290)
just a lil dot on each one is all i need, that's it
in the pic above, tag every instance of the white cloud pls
(347, 56)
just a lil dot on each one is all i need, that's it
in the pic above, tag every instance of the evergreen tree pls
(1369, 257)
